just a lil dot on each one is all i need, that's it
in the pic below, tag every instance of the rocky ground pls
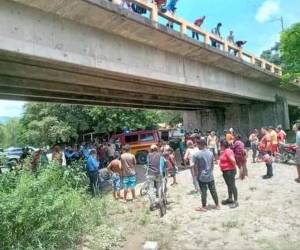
(268, 216)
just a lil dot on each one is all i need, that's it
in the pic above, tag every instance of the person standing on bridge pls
(217, 32)
(198, 22)
(160, 3)
(240, 45)
(230, 40)
(171, 7)
(296, 128)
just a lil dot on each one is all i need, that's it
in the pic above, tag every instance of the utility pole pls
(281, 21)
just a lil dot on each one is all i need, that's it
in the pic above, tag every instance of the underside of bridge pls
(24, 77)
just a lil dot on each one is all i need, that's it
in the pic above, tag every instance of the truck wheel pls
(141, 158)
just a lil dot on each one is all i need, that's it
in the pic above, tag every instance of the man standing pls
(154, 173)
(198, 22)
(115, 169)
(253, 138)
(203, 168)
(217, 32)
(212, 142)
(296, 128)
(188, 159)
(128, 163)
(230, 136)
(92, 170)
(274, 142)
(230, 38)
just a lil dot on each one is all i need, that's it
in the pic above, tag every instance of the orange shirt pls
(230, 138)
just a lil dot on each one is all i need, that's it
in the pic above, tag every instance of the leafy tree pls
(47, 124)
(108, 120)
(171, 117)
(273, 55)
(10, 133)
(290, 50)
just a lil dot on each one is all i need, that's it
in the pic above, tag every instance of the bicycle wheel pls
(144, 189)
(162, 201)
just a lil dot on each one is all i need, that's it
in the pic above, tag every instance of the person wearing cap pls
(128, 163)
(92, 170)
(203, 164)
(188, 159)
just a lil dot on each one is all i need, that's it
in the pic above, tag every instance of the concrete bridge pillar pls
(266, 114)
(243, 118)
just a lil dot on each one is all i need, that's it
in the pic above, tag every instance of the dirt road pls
(268, 216)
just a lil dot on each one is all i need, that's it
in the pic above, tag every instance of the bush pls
(46, 210)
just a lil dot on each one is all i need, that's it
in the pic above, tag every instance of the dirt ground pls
(268, 216)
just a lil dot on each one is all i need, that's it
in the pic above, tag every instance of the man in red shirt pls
(198, 22)
(281, 135)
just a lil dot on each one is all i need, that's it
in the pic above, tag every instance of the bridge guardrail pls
(205, 36)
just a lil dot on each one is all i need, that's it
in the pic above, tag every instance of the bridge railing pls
(205, 37)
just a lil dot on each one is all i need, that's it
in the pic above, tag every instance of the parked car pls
(13, 155)
(140, 142)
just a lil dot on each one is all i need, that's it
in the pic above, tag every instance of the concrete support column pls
(270, 114)
(204, 120)
(243, 118)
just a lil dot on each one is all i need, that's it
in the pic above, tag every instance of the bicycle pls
(156, 188)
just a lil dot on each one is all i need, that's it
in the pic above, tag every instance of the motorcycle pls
(287, 152)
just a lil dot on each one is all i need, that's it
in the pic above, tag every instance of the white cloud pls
(11, 108)
(267, 9)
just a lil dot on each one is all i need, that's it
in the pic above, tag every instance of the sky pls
(251, 20)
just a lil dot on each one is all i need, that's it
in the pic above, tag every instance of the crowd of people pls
(110, 160)
(170, 6)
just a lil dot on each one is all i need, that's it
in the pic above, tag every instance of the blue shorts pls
(129, 182)
(116, 182)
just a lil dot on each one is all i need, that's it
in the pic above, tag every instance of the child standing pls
(268, 160)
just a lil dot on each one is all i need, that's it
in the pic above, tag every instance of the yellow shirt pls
(273, 137)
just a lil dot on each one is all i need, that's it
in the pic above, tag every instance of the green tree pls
(171, 117)
(47, 124)
(272, 55)
(290, 51)
(108, 120)
(10, 133)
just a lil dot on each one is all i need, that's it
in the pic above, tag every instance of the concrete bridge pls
(96, 52)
